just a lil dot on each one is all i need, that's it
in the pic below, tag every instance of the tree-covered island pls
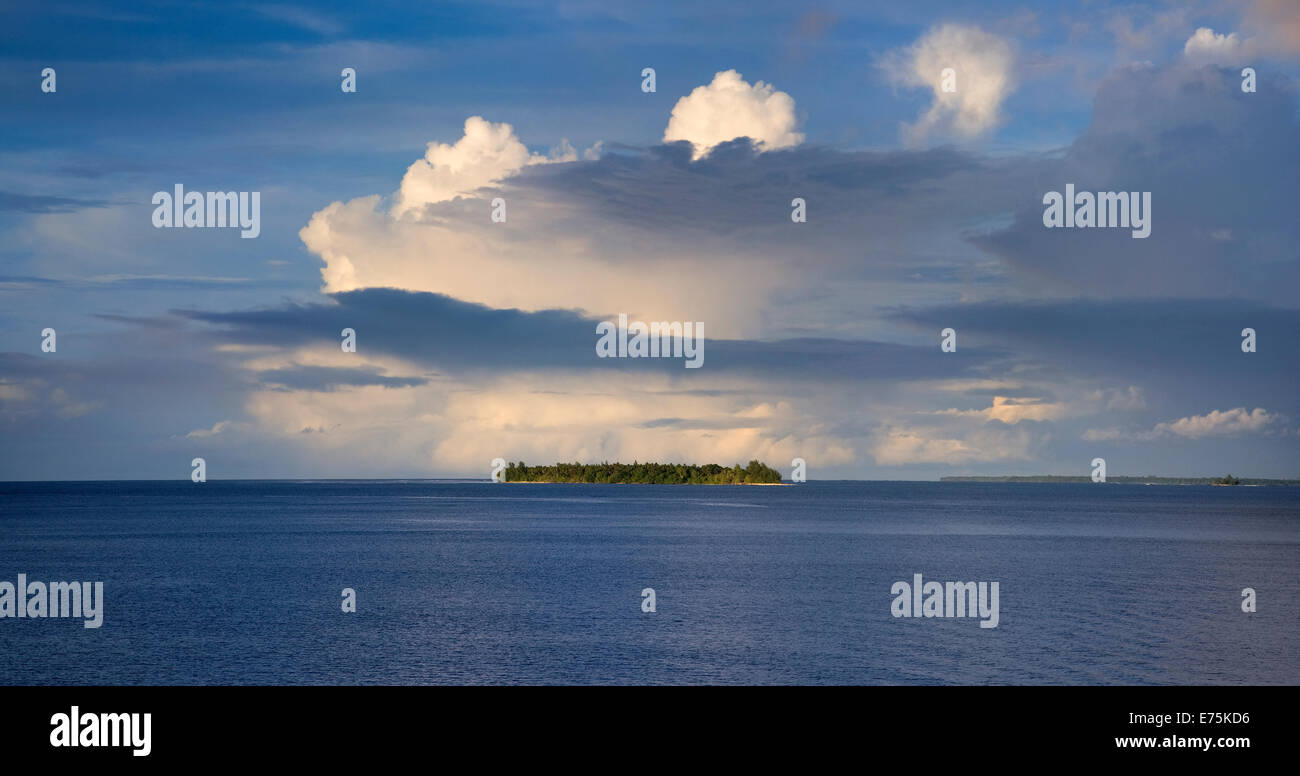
(756, 473)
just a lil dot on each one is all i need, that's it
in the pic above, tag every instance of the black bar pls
(925, 725)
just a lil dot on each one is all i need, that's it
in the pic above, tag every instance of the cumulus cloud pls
(1221, 423)
(485, 154)
(1217, 423)
(661, 237)
(729, 108)
(982, 65)
(1205, 47)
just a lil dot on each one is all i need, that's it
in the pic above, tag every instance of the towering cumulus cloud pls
(730, 108)
(570, 241)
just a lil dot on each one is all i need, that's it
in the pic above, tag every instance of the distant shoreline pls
(1126, 480)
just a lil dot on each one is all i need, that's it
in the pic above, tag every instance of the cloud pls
(458, 428)
(901, 446)
(1221, 423)
(516, 385)
(1011, 411)
(485, 154)
(658, 236)
(983, 66)
(729, 108)
(508, 383)
(1206, 47)
(478, 339)
(1217, 423)
(1150, 130)
(1188, 345)
(203, 433)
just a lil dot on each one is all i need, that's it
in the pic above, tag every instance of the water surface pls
(473, 582)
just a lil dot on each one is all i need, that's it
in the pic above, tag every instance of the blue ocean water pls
(473, 582)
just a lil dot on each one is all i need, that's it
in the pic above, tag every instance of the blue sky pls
(476, 339)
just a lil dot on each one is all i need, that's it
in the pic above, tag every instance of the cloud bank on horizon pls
(475, 335)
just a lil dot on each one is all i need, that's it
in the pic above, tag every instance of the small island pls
(756, 473)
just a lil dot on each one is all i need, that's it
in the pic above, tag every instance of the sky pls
(921, 138)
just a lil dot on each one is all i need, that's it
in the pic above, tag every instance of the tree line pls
(644, 473)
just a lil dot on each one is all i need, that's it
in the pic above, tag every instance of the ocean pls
(459, 582)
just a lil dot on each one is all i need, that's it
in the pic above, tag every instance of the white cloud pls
(983, 67)
(1011, 410)
(729, 108)
(1221, 423)
(202, 433)
(485, 154)
(1205, 47)
(545, 257)
(1217, 423)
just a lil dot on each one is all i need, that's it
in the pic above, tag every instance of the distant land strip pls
(1127, 480)
(756, 473)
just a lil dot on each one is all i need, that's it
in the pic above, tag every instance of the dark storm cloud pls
(739, 193)
(1183, 335)
(446, 333)
(1186, 352)
(1221, 167)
